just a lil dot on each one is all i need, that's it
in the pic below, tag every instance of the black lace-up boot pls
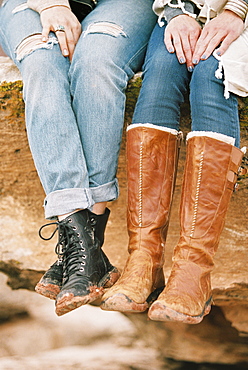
(85, 271)
(98, 223)
(51, 282)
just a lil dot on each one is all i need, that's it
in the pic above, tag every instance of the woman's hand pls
(56, 16)
(181, 36)
(222, 30)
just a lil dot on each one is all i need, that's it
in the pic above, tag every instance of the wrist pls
(239, 7)
(53, 6)
(40, 5)
(173, 9)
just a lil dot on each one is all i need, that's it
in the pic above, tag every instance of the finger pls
(208, 43)
(215, 41)
(76, 31)
(193, 38)
(193, 43)
(71, 43)
(168, 42)
(224, 45)
(200, 48)
(61, 36)
(178, 49)
(45, 33)
(186, 47)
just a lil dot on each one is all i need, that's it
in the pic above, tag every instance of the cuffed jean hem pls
(64, 201)
(106, 192)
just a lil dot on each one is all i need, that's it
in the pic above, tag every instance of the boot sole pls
(160, 312)
(48, 290)
(68, 302)
(120, 302)
(51, 290)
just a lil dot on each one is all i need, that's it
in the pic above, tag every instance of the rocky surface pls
(33, 337)
(222, 337)
(8, 71)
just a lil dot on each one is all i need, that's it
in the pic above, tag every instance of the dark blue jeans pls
(165, 83)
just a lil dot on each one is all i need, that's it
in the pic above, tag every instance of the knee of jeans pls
(104, 28)
(161, 63)
(204, 72)
(32, 43)
(99, 43)
(98, 55)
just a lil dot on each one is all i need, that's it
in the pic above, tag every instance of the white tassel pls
(219, 74)
(219, 70)
(226, 91)
(161, 22)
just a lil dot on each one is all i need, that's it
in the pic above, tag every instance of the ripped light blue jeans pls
(75, 111)
(165, 83)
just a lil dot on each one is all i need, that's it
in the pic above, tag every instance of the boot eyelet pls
(84, 256)
(92, 221)
(81, 269)
(78, 234)
(83, 263)
(70, 220)
(74, 228)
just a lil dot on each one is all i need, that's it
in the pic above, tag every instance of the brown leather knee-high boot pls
(210, 175)
(152, 157)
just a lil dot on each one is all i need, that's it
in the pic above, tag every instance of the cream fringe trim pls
(150, 125)
(214, 135)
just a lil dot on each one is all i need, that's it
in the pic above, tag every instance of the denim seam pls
(133, 58)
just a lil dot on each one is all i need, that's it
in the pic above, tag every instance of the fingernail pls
(44, 39)
(171, 50)
(218, 53)
(195, 61)
(181, 60)
(190, 68)
(203, 57)
(65, 52)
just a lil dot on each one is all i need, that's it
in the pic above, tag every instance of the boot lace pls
(62, 238)
(69, 248)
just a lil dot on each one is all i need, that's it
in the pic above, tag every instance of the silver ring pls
(59, 28)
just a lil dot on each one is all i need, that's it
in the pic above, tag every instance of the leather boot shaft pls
(209, 179)
(210, 176)
(152, 157)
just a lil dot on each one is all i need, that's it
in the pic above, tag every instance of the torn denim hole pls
(107, 28)
(20, 8)
(32, 43)
(3, 3)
